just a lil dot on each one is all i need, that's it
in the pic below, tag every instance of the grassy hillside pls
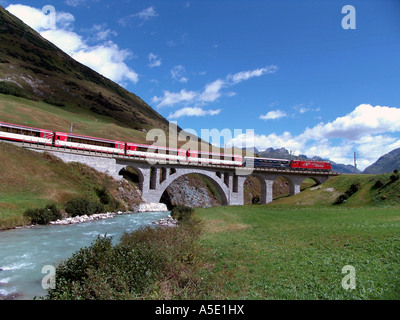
(30, 180)
(42, 115)
(326, 194)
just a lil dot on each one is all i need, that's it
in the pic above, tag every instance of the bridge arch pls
(129, 172)
(262, 189)
(317, 180)
(211, 176)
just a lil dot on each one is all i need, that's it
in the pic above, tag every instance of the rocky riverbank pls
(143, 207)
(167, 222)
(86, 218)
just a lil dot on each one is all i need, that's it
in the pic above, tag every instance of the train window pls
(25, 132)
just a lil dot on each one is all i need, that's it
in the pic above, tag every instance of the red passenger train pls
(57, 139)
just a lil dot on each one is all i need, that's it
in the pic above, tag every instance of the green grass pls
(261, 252)
(296, 247)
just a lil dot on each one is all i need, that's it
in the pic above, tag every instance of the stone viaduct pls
(154, 178)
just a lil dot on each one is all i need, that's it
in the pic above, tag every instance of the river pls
(24, 252)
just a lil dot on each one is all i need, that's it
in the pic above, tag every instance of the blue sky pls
(286, 69)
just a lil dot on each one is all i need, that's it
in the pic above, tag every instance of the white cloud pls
(365, 119)
(143, 15)
(211, 92)
(371, 131)
(147, 13)
(172, 98)
(100, 32)
(33, 17)
(178, 73)
(108, 60)
(73, 3)
(76, 3)
(193, 112)
(246, 75)
(275, 114)
(105, 58)
(68, 41)
(154, 61)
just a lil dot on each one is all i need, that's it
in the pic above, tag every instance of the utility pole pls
(356, 156)
(71, 127)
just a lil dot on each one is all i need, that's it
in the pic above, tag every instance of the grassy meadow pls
(296, 247)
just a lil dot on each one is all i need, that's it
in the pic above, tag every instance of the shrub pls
(43, 215)
(379, 183)
(255, 200)
(81, 206)
(182, 213)
(342, 198)
(11, 88)
(394, 177)
(395, 171)
(147, 263)
(105, 197)
(353, 189)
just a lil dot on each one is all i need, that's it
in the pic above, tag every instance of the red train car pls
(15, 132)
(74, 141)
(311, 165)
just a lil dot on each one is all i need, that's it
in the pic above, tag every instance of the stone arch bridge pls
(154, 178)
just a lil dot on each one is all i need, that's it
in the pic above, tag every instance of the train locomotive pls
(300, 165)
(38, 136)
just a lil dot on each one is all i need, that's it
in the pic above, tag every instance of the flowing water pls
(24, 252)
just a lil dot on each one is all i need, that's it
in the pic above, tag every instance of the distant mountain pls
(344, 168)
(33, 68)
(252, 150)
(283, 153)
(386, 163)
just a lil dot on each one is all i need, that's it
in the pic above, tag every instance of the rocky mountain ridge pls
(386, 163)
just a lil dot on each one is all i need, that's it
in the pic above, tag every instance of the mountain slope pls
(386, 163)
(33, 68)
